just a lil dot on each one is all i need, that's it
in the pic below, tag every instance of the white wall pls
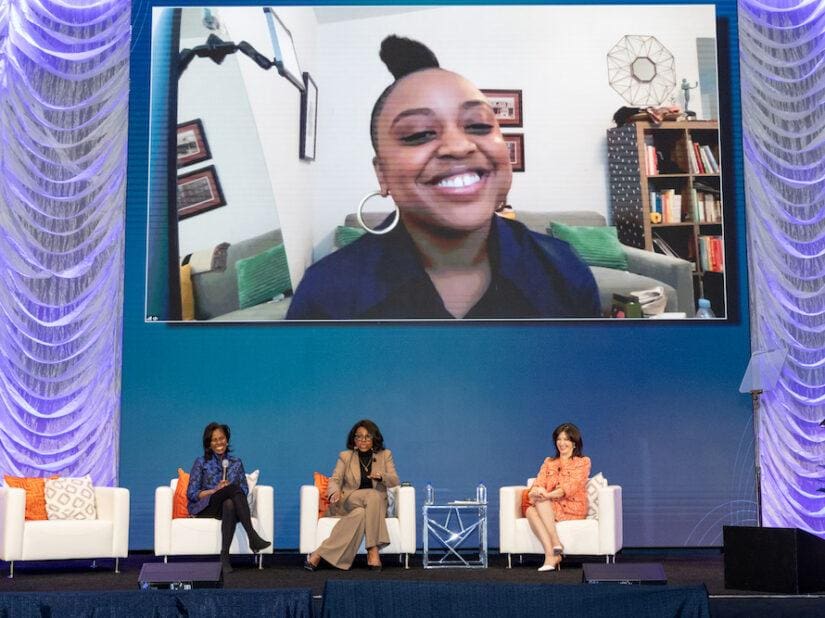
(218, 96)
(275, 104)
(555, 54)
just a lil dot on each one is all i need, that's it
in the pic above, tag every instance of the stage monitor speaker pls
(624, 573)
(180, 575)
(773, 559)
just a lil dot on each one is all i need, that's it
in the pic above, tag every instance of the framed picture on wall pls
(506, 105)
(198, 192)
(192, 146)
(515, 147)
(286, 58)
(309, 118)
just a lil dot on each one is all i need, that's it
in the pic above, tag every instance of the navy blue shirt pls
(207, 473)
(381, 277)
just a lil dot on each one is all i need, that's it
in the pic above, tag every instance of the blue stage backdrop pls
(460, 403)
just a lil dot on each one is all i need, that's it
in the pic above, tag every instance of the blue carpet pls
(344, 599)
(289, 603)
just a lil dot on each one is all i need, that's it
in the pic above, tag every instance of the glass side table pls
(455, 535)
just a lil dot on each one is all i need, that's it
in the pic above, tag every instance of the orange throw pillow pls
(35, 495)
(322, 483)
(180, 503)
(525, 502)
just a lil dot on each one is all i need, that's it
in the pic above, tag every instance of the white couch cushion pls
(202, 536)
(54, 540)
(578, 536)
(70, 498)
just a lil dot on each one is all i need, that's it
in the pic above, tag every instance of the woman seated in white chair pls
(358, 495)
(218, 489)
(558, 493)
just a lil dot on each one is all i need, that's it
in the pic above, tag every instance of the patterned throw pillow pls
(70, 498)
(180, 502)
(594, 484)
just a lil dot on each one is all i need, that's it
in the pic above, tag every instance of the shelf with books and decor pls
(665, 192)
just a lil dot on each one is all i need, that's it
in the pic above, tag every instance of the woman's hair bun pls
(404, 56)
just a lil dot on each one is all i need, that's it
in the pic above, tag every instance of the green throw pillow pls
(597, 245)
(262, 277)
(345, 234)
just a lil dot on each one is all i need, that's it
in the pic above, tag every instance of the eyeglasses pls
(363, 438)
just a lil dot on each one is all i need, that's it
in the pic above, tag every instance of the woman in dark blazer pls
(218, 489)
(358, 495)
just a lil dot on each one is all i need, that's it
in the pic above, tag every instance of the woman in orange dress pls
(558, 493)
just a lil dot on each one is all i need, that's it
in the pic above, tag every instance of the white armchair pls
(190, 536)
(401, 527)
(586, 537)
(104, 537)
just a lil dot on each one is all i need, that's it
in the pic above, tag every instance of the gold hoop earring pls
(360, 217)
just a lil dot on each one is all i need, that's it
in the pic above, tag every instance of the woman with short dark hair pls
(218, 489)
(558, 493)
(357, 494)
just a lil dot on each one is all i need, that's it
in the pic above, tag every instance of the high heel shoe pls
(226, 566)
(308, 566)
(558, 550)
(375, 567)
(550, 567)
(256, 543)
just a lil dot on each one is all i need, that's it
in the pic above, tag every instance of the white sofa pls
(191, 536)
(585, 537)
(401, 527)
(104, 537)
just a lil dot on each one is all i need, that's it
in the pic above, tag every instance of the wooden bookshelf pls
(672, 205)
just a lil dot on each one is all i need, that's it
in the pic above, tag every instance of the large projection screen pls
(238, 221)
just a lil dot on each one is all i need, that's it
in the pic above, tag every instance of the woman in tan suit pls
(358, 495)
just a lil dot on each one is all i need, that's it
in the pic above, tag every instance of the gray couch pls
(645, 269)
(216, 291)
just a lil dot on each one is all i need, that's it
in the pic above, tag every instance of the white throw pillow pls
(392, 495)
(252, 480)
(594, 484)
(70, 498)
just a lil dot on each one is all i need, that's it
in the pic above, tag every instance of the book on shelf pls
(700, 166)
(711, 254)
(668, 205)
(693, 165)
(713, 166)
(705, 162)
(651, 163)
(707, 207)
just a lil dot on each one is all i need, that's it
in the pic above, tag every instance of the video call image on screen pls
(564, 163)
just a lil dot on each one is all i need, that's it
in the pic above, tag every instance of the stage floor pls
(682, 568)
(284, 571)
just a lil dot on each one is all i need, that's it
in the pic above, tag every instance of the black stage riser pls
(785, 560)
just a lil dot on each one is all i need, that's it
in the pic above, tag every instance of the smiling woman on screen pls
(441, 158)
